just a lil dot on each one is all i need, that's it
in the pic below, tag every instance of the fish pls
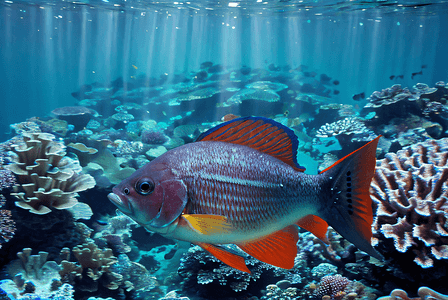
(239, 183)
(359, 97)
(135, 67)
(309, 74)
(416, 73)
(424, 66)
(336, 82)
(391, 77)
(336, 92)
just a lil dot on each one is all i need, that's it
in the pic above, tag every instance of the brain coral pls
(47, 177)
(410, 190)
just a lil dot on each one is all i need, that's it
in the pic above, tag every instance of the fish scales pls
(242, 184)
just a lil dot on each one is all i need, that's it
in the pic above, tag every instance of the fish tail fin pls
(350, 210)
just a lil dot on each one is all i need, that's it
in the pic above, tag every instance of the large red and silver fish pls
(239, 183)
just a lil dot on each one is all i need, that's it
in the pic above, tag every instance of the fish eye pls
(126, 191)
(145, 187)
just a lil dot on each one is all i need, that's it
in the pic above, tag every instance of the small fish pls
(400, 76)
(324, 78)
(135, 67)
(229, 117)
(101, 222)
(336, 82)
(310, 74)
(329, 143)
(336, 92)
(424, 66)
(240, 183)
(391, 77)
(416, 73)
(359, 97)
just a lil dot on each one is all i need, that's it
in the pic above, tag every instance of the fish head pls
(153, 196)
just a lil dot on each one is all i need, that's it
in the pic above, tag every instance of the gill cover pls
(171, 198)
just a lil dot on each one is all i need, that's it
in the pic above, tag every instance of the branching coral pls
(410, 190)
(346, 131)
(48, 179)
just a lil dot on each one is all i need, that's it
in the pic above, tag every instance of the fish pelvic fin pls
(230, 259)
(350, 211)
(278, 249)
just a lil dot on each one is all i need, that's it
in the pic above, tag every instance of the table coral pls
(410, 192)
(48, 179)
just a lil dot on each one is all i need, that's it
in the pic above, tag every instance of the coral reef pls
(36, 271)
(92, 268)
(423, 293)
(410, 191)
(7, 224)
(332, 286)
(48, 179)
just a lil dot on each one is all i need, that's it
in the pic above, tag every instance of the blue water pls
(48, 50)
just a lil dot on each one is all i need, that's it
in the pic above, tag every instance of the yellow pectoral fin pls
(208, 224)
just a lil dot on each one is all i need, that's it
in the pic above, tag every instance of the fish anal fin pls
(316, 226)
(233, 260)
(350, 212)
(207, 224)
(278, 249)
(258, 133)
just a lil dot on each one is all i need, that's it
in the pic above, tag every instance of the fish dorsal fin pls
(316, 226)
(233, 260)
(278, 249)
(262, 134)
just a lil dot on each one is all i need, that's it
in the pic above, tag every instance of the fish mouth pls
(115, 199)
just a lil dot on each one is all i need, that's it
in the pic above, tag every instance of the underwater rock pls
(410, 192)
